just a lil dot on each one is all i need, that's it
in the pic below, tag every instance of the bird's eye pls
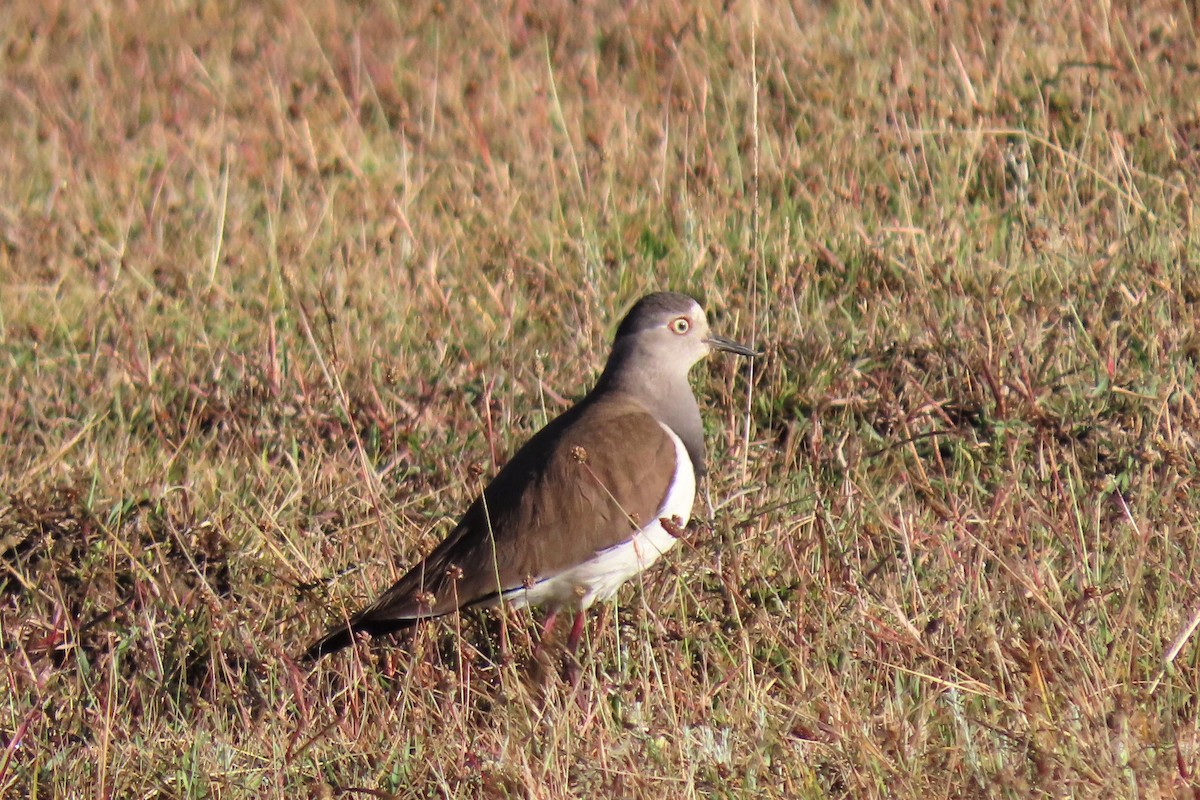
(681, 325)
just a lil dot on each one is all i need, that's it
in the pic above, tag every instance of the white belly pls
(599, 577)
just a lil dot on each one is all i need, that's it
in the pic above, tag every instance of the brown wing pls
(573, 490)
(585, 482)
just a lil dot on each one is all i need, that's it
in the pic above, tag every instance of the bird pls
(591, 500)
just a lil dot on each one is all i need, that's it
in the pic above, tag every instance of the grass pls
(282, 284)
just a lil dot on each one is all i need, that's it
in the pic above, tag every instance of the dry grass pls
(279, 279)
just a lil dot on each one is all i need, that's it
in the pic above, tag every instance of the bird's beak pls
(730, 346)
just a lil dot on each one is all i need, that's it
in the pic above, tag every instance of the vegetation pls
(281, 284)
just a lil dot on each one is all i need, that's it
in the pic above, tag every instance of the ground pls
(282, 284)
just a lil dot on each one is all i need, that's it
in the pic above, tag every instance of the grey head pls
(659, 341)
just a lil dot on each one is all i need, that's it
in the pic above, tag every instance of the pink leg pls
(570, 659)
(546, 627)
(576, 631)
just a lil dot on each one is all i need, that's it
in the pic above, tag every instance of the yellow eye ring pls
(680, 325)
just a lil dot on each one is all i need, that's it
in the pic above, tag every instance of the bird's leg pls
(546, 627)
(576, 631)
(571, 660)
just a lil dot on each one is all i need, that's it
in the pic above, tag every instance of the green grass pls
(282, 284)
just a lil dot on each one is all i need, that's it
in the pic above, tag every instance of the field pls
(283, 283)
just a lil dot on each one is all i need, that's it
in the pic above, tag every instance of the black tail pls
(343, 635)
